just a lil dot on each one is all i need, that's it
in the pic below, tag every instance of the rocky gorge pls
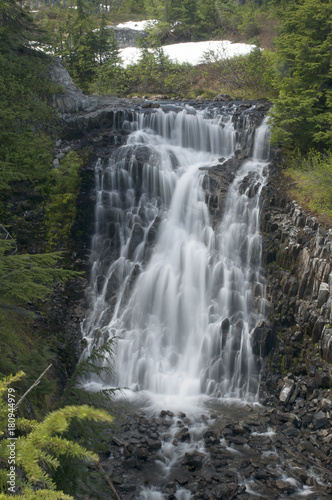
(275, 449)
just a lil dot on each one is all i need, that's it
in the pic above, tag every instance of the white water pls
(178, 296)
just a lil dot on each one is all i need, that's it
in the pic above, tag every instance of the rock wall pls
(297, 253)
(126, 37)
(71, 99)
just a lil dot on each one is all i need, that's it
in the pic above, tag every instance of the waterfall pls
(179, 297)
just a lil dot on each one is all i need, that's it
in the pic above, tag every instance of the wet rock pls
(142, 453)
(262, 339)
(153, 444)
(194, 460)
(322, 378)
(312, 449)
(284, 486)
(222, 98)
(166, 413)
(289, 417)
(136, 238)
(182, 435)
(181, 476)
(325, 344)
(216, 183)
(323, 294)
(210, 437)
(318, 329)
(228, 491)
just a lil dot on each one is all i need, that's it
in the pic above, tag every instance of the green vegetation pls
(26, 118)
(249, 76)
(206, 19)
(62, 188)
(302, 114)
(313, 176)
(154, 72)
(40, 445)
(80, 38)
(33, 197)
(27, 277)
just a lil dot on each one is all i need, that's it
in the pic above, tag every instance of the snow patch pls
(191, 52)
(137, 25)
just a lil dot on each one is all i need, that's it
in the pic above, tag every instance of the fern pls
(97, 363)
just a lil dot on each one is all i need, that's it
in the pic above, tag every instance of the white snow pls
(137, 25)
(191, 52)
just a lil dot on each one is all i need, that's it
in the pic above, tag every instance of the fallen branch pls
(33, 385)
(108, 481)
(6, 235)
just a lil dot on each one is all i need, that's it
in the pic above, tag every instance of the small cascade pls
(179, 298)
(230, 368)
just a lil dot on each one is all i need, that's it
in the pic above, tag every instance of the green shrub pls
(251, 74)
(154, 72)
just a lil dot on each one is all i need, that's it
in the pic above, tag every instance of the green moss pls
(63, 187)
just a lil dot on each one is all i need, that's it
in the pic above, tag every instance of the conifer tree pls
(15, 24)
(27, 277)
(40, 445)
(302, 115)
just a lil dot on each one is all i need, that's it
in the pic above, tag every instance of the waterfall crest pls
(180, 298)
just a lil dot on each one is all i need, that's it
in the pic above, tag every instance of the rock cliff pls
(296, 249)
(297, 260)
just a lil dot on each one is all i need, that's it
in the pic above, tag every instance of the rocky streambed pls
(226, 450)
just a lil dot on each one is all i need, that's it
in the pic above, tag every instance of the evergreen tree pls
(40, 444)
(105, 44)
(302, 114)
(16, 25)
(26, 277)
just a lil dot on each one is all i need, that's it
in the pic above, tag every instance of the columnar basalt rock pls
(297, 253)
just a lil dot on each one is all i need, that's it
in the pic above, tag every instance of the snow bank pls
(191, 52)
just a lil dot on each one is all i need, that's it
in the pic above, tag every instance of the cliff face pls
(297, 259)
(296, 249)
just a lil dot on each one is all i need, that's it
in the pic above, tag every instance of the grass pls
(312, 175)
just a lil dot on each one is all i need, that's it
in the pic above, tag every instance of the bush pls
(252, 74)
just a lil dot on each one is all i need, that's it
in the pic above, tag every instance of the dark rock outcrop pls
(127, 37)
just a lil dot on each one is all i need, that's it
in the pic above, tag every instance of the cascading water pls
(176, 294)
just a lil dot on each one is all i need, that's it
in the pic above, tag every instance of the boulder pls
(287, 390)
